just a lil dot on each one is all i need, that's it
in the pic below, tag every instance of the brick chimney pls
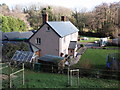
(63, 18)
(44, 17)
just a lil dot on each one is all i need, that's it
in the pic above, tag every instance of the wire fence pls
(85, 78)
(94, 73)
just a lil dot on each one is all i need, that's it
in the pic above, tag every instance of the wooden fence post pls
(71, 77)
(23, 75)
(68, 77)
(78, 78)
(9, 76)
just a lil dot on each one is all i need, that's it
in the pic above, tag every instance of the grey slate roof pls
(26, 34)
(17, 35)
(12, 35)
(72, 45)
(3, 36)
(63, 28)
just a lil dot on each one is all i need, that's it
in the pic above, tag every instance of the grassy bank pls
(47, 80)
(52, 80)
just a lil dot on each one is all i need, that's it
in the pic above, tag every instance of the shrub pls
(10, 24)
(9, 49)
(81, 45)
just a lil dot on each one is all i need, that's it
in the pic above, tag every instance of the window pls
(38, 41)
(71, 51)
(47, 29)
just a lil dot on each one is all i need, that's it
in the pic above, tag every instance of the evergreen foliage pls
(9, 49)
(9, 24)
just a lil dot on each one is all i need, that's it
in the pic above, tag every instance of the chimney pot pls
(63, 18)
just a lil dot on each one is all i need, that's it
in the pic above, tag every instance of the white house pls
(55, 38)
(116, 41)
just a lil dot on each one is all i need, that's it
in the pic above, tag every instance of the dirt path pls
(78, 56)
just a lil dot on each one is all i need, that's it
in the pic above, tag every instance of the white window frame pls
(38, 41)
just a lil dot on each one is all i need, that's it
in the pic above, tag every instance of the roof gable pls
(62, 28)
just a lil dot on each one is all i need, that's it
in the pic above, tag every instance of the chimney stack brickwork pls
(45, 17)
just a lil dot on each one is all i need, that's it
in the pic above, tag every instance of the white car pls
(85, 38)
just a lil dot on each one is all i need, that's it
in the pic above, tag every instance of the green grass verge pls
(47, 80)
(50, 80)
(94, 58)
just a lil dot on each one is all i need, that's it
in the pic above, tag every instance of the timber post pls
(23, 75)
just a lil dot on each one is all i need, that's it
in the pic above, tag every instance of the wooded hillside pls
(103, 19)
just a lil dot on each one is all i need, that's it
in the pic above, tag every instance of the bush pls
(10, 24)
(9, 49)
(82, 45)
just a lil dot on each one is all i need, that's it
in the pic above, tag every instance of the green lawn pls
(112, 47)
(94, 58)
(91, 39)
(47, 80)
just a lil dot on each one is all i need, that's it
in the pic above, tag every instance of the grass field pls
(112, 47)
(91, 39)
(52, 80)
(94, 58)
(47, 80)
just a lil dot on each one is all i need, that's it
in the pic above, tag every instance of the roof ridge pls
(58, 21)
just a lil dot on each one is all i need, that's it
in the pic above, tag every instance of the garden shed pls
(50, 59)
(50, 62)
